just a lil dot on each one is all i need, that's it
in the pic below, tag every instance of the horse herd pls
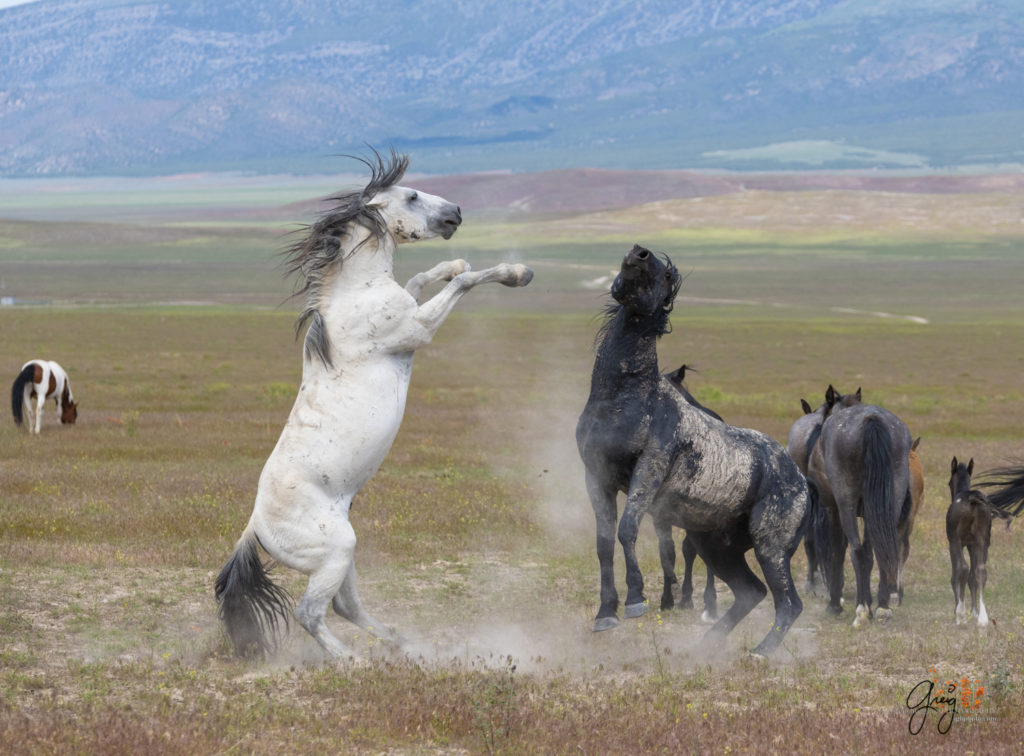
(641, 433)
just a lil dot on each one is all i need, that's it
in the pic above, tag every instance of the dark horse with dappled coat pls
(731, 488)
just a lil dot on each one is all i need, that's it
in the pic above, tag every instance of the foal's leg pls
(976, 580)
(443, 271)
(667, 553)
(958, 579)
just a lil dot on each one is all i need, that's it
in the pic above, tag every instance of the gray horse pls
(803, 435)
(859, 468)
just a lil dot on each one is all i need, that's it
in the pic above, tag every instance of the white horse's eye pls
(414, 196)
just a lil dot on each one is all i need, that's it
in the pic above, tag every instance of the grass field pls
(476, 537)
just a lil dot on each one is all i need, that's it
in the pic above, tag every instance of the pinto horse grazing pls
(357, 360)
(859, 468)
(969, 526)
(803, 435)
(41, 379)
(731, 489)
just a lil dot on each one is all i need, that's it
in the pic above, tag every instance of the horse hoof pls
(863, 615)
(708, 618)
(605, 623)
(835, 611)
(883, 615)
(523, 276)
(757, 656)
(635, 610)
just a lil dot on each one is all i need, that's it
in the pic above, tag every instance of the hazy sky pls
(9, 3)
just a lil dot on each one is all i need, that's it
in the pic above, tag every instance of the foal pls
(969, 526)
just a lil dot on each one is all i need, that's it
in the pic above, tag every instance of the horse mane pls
(321, 247)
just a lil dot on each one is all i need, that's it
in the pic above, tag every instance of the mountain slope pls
(107, 86)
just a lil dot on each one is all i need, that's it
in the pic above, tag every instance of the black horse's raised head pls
(646, 285)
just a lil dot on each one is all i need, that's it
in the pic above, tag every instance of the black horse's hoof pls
(605, 623)
(835, 611)
(635, 610)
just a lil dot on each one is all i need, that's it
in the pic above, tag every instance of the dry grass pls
(476, 539)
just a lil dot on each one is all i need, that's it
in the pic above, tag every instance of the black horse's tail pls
(1008, 483)
(18, 391)
(250, 604)
(881, 508)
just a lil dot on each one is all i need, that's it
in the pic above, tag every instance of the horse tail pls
(880, 504)
(1009, 484)
(250, 604)
(18, 391)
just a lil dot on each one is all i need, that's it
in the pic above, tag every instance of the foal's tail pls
(250, 604)
(1008, 483)
(18, 391)
(881, 509)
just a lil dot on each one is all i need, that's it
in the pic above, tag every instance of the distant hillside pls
(568, 192)
(134, 87)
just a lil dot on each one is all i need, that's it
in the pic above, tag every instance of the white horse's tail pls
(251, 606)
(25, 377)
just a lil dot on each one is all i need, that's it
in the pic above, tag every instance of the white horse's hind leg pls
(324, 584)
(347, 604)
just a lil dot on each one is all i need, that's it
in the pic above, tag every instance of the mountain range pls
(127, 87)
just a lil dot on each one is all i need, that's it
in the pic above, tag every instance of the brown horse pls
(906, 526)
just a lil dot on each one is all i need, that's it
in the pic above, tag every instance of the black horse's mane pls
(321, 246)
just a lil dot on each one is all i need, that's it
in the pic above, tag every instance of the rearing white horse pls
(363, 329)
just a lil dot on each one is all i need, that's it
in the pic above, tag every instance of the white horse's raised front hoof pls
(635, 610)
(883, 615)
(605, 623)
(458, 267)
(521, 275)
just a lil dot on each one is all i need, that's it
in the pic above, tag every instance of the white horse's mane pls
(321, 248)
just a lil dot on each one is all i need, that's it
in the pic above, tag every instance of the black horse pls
(731, 489)
(859, 468)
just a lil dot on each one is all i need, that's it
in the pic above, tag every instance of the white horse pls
(41, 379)
(363, 329)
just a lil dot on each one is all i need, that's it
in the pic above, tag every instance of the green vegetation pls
(476, 538)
